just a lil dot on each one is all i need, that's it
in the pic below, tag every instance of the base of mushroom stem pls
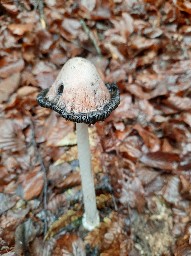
(90, 226)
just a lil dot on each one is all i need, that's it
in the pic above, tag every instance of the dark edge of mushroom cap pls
(89, 117)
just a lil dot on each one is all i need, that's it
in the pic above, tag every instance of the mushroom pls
(79, 95)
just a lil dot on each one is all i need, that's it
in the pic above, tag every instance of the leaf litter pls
(140, 154)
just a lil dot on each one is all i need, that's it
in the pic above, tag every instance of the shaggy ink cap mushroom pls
(79, 94)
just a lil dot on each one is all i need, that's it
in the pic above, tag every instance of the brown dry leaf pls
(32, 183)
(147, 59)
(147, 80)
(183, 5)
(20, 29)
(155, 186)
(11, 69)
(57, 56)
(4, 178)
(117, 75)
(153, 32)
(149, 138)
(69, 244)
(72, 180)
(45, 79)
(89, 5)
(125, 109)
(68, 156)
(8, 86)
(185, 163)
(142, 43)
(183, 250)
(170, 191)
(186, 117)
(161, 160)
(175, 132)
(45, 40)
(146, 175)
(115, 53)
(42, 66)
(11, 136)
(179, 103)
(27, 78)
(166, 147)
(10, 7)
(147, 109)
(124, 26)
(185, 187)
(129, 151)
(56, 202)
(132, 193)
(183, 247)
(138, 91)
(69, 140)
(56, 129)
(70, 28)
(101, 12)
(58, 172)
(26, 91)
(7, 202)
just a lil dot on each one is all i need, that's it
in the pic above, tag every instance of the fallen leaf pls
(20, 29)
(161, 160)
(89, 5)
(32, 183)
(149, 138)
(11, 136)
(180, 103)
(68, 156)
(7, 202)
(8, 86)
(72, 180)
(69, 140)
(45, 40)
(10, 7)
(170, 191)
(12, 68)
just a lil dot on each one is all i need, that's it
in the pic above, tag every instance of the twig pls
(43, 168)
(91, 36)
(39, 4)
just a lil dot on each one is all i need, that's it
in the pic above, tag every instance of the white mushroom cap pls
(79, 94)
(80, 87)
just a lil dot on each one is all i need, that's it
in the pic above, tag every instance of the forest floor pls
(141, 154)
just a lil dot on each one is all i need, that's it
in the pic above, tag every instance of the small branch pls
(39, 4)
(43, 168)
(91, 36)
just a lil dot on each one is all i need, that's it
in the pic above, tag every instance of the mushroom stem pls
(91, 217)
